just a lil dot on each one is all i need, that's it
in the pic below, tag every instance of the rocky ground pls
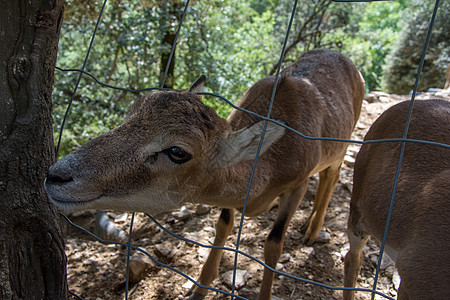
(97, 271)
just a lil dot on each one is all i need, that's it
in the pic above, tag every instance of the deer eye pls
(178, 155)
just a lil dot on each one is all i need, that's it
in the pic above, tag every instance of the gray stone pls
(324, 237)
(201, 209)
(241, 278)
(396, 280)
(183, 214)
(139, 268)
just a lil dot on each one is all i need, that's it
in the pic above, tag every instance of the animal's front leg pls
(210, 269)
(273, 247)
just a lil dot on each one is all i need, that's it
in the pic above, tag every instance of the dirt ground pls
(97, 271)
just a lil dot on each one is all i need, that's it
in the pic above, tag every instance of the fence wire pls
(267, 119)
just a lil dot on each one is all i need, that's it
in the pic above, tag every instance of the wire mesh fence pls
(267, 118)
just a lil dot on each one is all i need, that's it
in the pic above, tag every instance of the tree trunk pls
(32, 259)
(170, 18)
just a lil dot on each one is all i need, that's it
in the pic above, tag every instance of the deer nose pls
(55, 179)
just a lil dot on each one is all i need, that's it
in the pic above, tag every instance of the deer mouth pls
(72, 204)
(63, 199)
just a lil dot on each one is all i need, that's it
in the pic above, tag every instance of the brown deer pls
(419, 231)
(172, 149)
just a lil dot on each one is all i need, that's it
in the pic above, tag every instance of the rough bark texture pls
(32, 259)
(170, 18)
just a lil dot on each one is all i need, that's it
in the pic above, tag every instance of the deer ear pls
(197, 86)
(243, 144)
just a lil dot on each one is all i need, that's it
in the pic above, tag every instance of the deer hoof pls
(307, 241)
(192, 295)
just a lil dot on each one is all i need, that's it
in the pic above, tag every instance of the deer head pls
(165, 153)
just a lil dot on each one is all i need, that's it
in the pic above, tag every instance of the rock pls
(202, 254)
(348, 186)
(308, 250)
(349, 160)
(162, 253)
(90, 261)
(253, 294)
(380, 94)
(353, 149)
(396, 280)
(241, 278)
(120, 218)
(386, 262)
(369, 97)
(374, 96)
(201, 209)
(188, 285)
(183, 214)
(194, 236)
(389, 272)
(249, 294)
(139, 268)
(384, 99)
(343, 250)
(284, 258)
(209, 229)
(374, 259)
(324, 237)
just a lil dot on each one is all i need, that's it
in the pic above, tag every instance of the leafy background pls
(235, 43)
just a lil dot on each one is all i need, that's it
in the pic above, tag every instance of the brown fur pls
(127, 169)
(420, 222)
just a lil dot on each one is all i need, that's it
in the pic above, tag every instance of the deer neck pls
(233, 193)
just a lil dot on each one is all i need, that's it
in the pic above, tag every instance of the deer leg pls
(210, 269)
(274, 243)
(328, 179)
(353, 260)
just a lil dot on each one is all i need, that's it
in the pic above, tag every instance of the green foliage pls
(401, 69)
(368, 38)
(233, 42)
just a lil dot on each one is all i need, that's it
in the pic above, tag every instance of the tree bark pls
(169, 22)
(32, 259)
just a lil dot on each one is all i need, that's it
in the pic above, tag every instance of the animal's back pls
(320, 84)
(333, 74)
(423, 166)
(320, 95)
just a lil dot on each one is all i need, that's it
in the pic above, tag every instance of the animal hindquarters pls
(420, 219)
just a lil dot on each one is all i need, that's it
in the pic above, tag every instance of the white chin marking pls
(72, 206)
(143, 201)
